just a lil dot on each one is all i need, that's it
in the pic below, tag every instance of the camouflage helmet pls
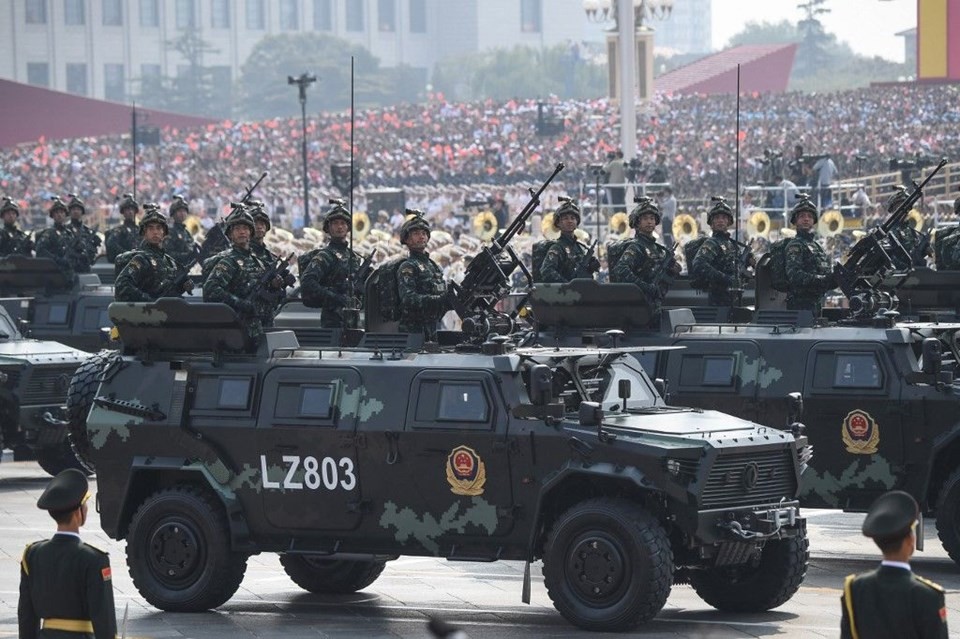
(178, 204)
(719, 207)
(898, 197)
(804, 203)
(338, 211)
(127, 201)
(152, 215)
(645, 205)
(568, 206)
(258, 212)
(238, 215)
(9, 205)
(58, 205)
(412, 224)
(76, 203)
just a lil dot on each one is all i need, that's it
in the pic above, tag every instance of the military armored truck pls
(340, 460)
(880, 395)
(34, 376)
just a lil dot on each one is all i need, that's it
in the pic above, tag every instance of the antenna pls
(353, 313)
(134, 139)
(738, 281)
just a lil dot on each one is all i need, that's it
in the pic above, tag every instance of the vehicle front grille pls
(46, 385)
(750, 478)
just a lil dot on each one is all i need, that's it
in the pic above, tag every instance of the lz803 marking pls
(325, 472)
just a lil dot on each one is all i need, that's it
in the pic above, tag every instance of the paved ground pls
(482, 598)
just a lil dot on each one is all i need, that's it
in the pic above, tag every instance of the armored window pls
(256, 19)
(714, 371)
(234, 392)
(462, 402)
(857, 370)
(36, 12)
(57, 314)
(149, 13)
(387, 15)
(112, 13)
(73, 14)
(305, 401)
(220, 14)
(322, 15)
(354, 15)
(717, 370)
(530, 16)
(418, 16)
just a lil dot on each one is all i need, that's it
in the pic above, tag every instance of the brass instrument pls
(830, 224)
(547, 228)
(759, 224)
(619, 223)
(361, 226)
(685, 227)
(582, 236)
(915, 220)
(485, 225)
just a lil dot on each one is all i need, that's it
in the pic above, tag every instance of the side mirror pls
(541, 385)
(794, 408)
(660, 385)
(590, 414)
(623, 391)
(932, 355)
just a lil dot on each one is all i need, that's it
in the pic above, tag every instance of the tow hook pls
(53, 421)
(772, 519)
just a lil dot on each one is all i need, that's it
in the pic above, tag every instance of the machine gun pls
(583, 266)
(264, 290)
(488, 277)
(862, 271)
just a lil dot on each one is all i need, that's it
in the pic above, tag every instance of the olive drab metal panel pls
(722, 375)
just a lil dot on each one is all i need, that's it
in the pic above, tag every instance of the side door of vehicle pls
(855, 423)
(717, 375)
(306, 462)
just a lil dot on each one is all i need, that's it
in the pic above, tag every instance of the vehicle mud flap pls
(525, 592)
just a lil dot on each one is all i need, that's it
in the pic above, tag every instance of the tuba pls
(915, 220)
(192, 222)
(547, 228)
(361, 226)
(759, 224)
(685, 227)
(485, 226)
(619, 223)
(830, 224)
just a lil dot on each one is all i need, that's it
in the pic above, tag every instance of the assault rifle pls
(583, 266)
(176, 286)
(265, 290)
(868, 261)
(487, 279)
(363, 271)
(666, 269)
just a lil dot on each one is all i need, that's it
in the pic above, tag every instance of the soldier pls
(951, 257)
(262, 222)
(915, 243)
(566, 259)
(86, 239)
(717, 263)
(643, 257)
(57, 242)
(422, 291)
(13, 241)
(179, 243)
(892, 601)
(236, 273)
(809, 272)
(149, 273)
(125, 237)
(325, 282)
(66, 588)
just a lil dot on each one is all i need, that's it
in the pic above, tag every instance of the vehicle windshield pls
(7, 328)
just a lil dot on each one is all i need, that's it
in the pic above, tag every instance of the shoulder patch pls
(927, 582)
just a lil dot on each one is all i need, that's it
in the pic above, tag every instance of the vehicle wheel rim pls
(175, 555)
(597, 568)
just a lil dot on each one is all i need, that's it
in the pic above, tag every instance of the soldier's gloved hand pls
(593, 265)
(187, 286)
(246, 308)
(276, 283)
(289, 279)
(448, 298)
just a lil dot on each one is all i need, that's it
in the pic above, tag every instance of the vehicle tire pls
(771, 583)
(948, 516)
(607, 565)
(330, 576)
(178, 551)
(83, 388)
(54, 459)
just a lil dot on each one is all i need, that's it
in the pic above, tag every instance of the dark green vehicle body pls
(337, 456)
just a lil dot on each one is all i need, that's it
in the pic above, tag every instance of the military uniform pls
(146, 276)
(66, 587)
(126, 236)
(891, 601)
(912, 241)
(422, 295)
(325, 283)
(716, 265)
(562, 259)
(179, 243)
(637, 265)
(57, 242)
(256, 244)
(809, 272)
(13, 241)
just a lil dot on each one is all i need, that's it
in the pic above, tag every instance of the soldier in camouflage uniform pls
(809, 271)
(87, 240)
(642, 257)
(13, 241)
(262, 222)
(235, 274)
(149, 273)
(325, 282)
(179, 243)
(564, 257)
(717, 263)
(423, 293)
(913, 241)
(57, 242)
(125, 237)
(951, 257)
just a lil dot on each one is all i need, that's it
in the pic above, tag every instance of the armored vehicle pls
(880, 396)
(34, 376)
(340, 460)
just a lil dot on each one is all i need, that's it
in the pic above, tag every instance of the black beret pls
(891, 515)
(65, 492)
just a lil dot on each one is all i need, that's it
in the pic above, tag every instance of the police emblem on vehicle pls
(861, 434)
(466, 472)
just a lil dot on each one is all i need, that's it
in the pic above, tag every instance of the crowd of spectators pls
(443, 153)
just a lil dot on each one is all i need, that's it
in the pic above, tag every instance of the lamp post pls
(302, 83)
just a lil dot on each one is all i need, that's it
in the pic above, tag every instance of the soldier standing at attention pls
(235, 273)
(912, 240)
(56, 242)
(642, 257)
(13, 241)
(87, 240)
(149, 272)
(179, 243)
(262, 222)
(892, 601)
(951, 258)
(325, 282)
(564, 257)
(809, 272)
(423, 299)
(125, 237)
(717, 263)
(65, 585)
